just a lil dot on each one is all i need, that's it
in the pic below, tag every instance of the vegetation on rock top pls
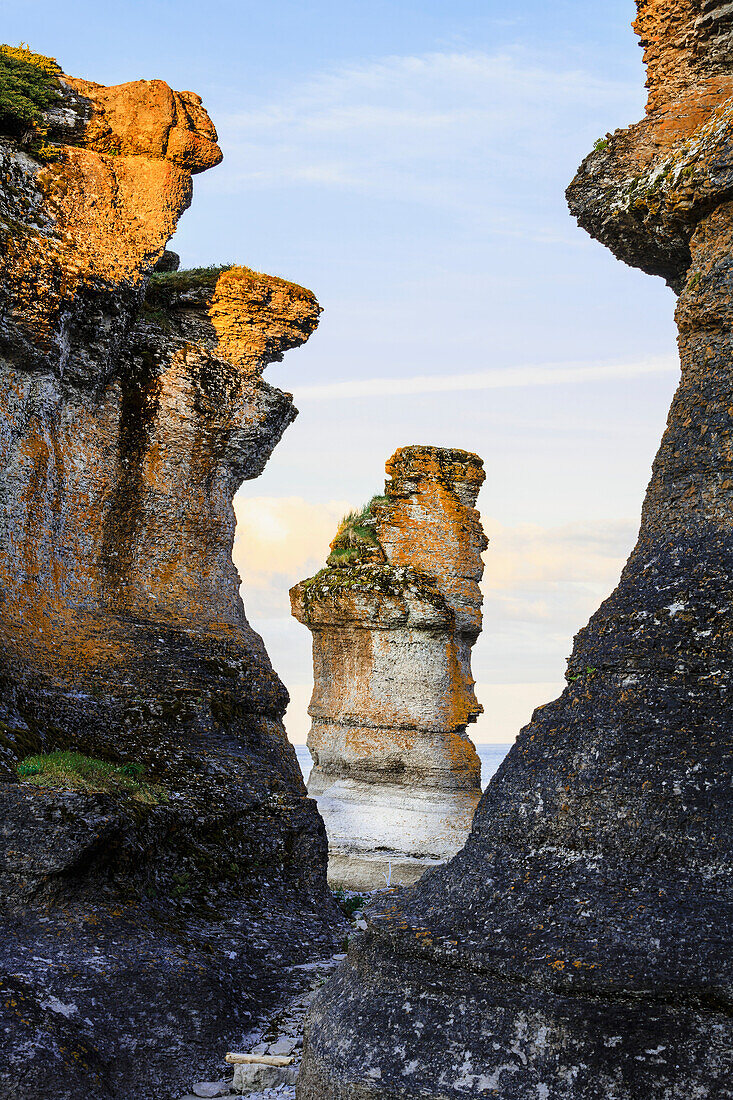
(28, 87)
(356, 540)
(165, 286)
(73, 771)
(166, 283)
(192, 278)
(349, 902)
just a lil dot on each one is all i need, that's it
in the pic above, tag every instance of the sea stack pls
(394, 616)
(145, 922)
(580, 945)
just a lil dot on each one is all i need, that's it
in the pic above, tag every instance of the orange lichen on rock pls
(129, 417)
(147, 118)
(395, 775)
(432, 526)
(685, 47)
(258, 317)
(100, 214)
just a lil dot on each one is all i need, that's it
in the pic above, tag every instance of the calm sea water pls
(491, 757)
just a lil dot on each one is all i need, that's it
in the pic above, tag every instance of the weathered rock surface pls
(395, 776)
(280, 1033)
(581, 945)
(137, 941)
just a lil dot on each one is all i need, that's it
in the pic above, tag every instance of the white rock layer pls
(395, 775)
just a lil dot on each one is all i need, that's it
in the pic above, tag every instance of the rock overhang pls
(125, 429)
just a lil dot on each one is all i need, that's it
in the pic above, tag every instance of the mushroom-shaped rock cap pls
(644, 189)
(146, 117)
(113, 176)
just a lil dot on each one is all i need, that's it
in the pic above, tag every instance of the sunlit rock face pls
(137, 940)
(395, 775)
(580, 946)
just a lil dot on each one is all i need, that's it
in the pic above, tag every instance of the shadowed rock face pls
(580, 945)
(137, 941)
(396, 778)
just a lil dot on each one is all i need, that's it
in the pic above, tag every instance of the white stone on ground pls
(256, 1076)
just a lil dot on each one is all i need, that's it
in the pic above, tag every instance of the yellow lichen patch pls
(259, 317)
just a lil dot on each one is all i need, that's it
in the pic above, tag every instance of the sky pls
(407, 162)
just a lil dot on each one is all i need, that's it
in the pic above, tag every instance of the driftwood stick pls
(262, 1059)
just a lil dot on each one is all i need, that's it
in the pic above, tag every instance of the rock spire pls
(580, 944)
(145, 923)
(394, 617)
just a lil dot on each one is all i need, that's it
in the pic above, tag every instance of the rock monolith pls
(394, 616)
(151, 911)
(581, 944)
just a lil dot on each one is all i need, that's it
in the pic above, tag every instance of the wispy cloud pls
(279, 541)
(544, 374)
(452, 129)
(554, 575)
(540, 586)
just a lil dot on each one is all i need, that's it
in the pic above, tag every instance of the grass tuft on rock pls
(28, 86)
(349, 902)
(73, 771)
(164, 284)
(191, 278)
(356, 540)
(165, 287)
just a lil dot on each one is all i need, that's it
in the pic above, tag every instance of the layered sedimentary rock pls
(580, 946)
(394, 617)
(138, 938)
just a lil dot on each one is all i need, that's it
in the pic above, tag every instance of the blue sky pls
(407, 162)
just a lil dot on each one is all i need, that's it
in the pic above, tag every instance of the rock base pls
(354, 870)
(390, 836)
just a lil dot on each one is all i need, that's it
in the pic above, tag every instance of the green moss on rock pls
(385, 581)
(28, 86)
(163, 284)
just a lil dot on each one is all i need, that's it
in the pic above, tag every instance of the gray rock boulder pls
(580, 946)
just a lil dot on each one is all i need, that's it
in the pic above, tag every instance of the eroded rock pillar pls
(142, 929)
(393, 618)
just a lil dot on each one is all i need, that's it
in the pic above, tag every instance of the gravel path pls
(282, 1033)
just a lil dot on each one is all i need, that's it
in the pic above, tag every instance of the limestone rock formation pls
(581, 945)
(139, 936)
(394, 617)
